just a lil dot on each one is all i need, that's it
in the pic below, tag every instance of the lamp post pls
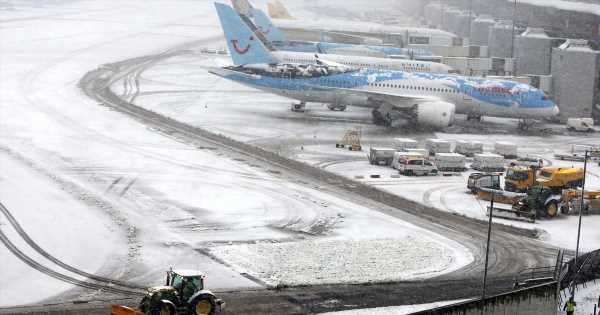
(588, 153)
(489, 234)
(512, 41)
(470, 18)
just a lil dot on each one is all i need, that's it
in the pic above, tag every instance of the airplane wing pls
(338, 37)
(397, 100)
(327, 62)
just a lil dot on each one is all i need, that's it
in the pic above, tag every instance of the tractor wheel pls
(144, 304)
(552, 209)
(204, 304)
(166, 309)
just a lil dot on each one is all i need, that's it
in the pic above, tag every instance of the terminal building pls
(533, 51)
(567, 69)
(575, 66)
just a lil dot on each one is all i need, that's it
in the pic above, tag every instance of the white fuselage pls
(364, 62)
(408, 34)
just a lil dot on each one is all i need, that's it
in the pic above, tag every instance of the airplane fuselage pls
(365, 62)
(474, 96)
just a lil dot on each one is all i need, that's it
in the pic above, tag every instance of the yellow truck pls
(559, 178)
(521, 178)
(572, 201)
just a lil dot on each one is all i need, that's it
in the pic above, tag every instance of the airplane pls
(354, 61)
(396, 97)
(350, 31)
(274, 35)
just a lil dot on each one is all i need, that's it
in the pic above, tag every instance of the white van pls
(580, 124)
(398, 156)
(415, 166)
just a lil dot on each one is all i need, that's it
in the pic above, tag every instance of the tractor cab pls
(186, 282)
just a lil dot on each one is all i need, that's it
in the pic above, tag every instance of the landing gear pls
(525, 124)
(389, 117)
(299, 107)
(474, 117)
(378, 118)
(334, 107)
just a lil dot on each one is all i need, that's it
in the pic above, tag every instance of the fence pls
(540, 299)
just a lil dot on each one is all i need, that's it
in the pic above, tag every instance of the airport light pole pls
(470, 17)
(588, 153)
(489, 235)
(512, 40)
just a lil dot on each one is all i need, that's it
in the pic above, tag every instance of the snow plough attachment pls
(183, 294)
(512, 214)
(123, 310)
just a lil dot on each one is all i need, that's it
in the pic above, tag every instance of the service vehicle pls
(558, 178)
(572, 201)
(416, 166)
(519, 178)
(539, 202)
(183, 294)
(399, 156)
(580, 124)
(478, 181)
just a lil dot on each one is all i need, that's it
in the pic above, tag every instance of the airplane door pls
(286, 83)
(467, 93)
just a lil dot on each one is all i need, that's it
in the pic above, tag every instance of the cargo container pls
(401, 144)
(507, 149)
(488, 162)
(381, 156)
(450, 162)
(435, 146)
(468, 148)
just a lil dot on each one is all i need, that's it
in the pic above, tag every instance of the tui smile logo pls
(241, 51)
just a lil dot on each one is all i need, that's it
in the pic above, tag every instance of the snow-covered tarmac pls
(265, 120)
(110, 196)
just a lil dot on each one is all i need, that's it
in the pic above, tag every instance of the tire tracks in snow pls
(104, 285)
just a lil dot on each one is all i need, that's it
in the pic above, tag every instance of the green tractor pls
(539, 202)
(183, 294)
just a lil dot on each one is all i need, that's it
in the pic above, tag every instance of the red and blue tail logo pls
(245, 47)
(236, 46)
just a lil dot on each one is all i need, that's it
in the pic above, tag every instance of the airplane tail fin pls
(264, 24)
(242, 7)
(261, 21)
(278, 11)
(244, 45)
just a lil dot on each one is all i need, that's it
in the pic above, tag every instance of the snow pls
(586, 297)
(395, 310)
(265, 120)
(151, 200)
(60, 222)
(565, 5)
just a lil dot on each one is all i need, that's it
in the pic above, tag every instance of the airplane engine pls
(435, 114)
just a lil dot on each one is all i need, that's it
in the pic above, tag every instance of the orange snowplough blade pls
(123, 310)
